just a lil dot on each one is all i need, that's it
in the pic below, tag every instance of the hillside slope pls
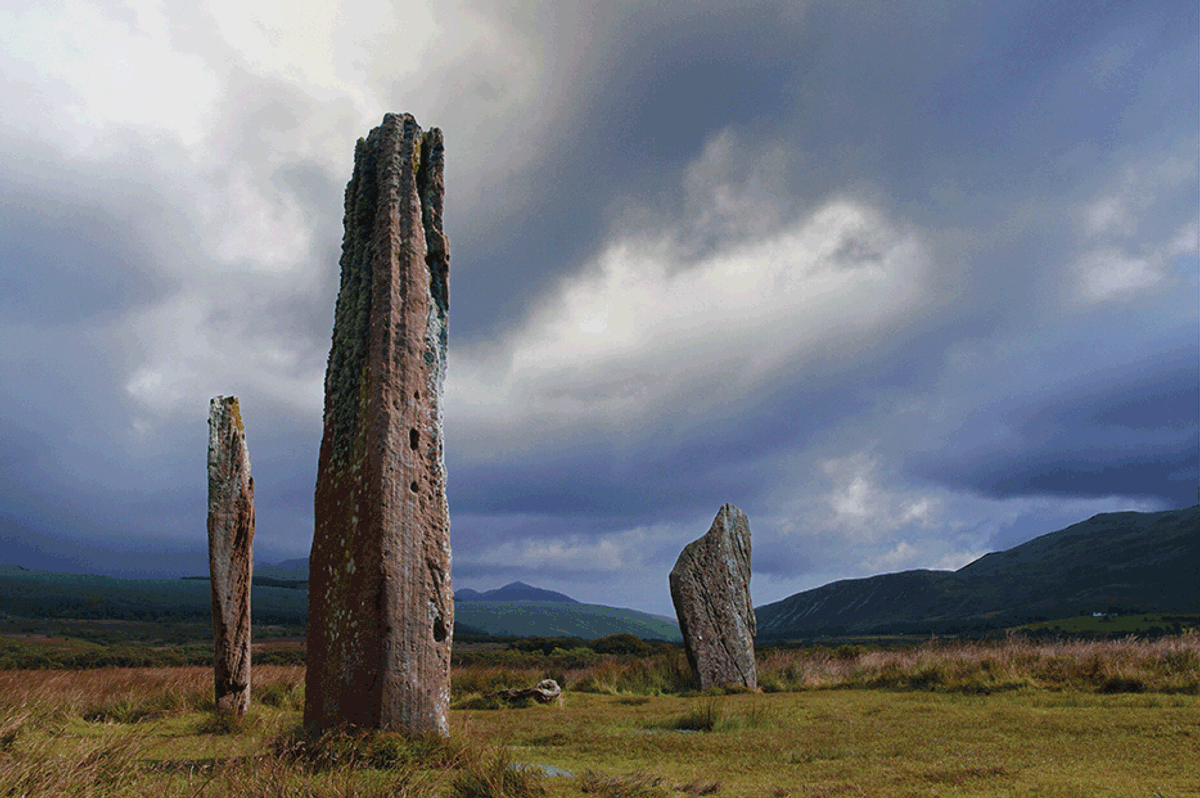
(513, 591)
(45, 594)
(1147, 561)
(560, 619)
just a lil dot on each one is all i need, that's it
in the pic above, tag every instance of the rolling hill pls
(559, 619)
(1130, 561)
(515, 610)
(47, 594)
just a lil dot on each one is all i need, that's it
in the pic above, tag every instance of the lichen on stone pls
(380, 505)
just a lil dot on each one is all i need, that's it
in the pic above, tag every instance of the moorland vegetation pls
(1011, 716)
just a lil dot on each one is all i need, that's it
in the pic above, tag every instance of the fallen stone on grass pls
(544, 692)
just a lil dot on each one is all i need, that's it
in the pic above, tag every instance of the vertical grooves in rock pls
(381, 608)
(230, 552)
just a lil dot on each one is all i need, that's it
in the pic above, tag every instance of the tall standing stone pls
(381, 607)
(230, 552)
(710, 586)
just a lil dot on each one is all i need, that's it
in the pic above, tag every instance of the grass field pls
(1017, 718)
(1144, 624)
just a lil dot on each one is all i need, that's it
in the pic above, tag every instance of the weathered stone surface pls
(230, 551)
(544, 692)
(710, 586)
(381, 607)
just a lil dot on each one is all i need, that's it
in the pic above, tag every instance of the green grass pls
(1119, 719)
(872, 742)
(1143, 624)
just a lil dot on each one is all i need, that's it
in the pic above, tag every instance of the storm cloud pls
(905, 285)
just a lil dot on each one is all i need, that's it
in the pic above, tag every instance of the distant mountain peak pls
(513, 591)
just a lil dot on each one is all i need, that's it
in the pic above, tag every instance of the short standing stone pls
(381, 607)
(230, 552)
(710, 586)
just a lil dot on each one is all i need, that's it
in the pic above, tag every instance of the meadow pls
(1014, 717)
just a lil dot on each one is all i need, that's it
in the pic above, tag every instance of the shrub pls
(622, 644)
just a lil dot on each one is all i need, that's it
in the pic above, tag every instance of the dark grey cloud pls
(902, 282)
(97, 551)
(69, 238)
(1134, 434)
(655, 83)
(93, 249)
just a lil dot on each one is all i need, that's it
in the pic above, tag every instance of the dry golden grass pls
(1165, 664)
(1014, 718)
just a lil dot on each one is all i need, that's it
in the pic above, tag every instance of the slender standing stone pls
(230, 552)
(710, 586)
(381, 607)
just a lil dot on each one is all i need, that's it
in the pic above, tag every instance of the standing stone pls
(710, 585)
(230, 552)
(380, 606)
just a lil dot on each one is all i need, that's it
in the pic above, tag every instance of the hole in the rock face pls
(413, 438)
(417, 395)
(439, 630)
(413, 487)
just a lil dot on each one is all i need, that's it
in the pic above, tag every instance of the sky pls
(905, 282)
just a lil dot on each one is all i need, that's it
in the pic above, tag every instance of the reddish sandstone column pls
(230, 552)
(381, 608)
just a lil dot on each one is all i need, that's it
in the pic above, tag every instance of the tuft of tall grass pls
(224, 723)
(340, 749)
(713, 715)
(704, 718)
(667, 673)
(639, 784)
(495, 775)
(96, 767)
(280, 687)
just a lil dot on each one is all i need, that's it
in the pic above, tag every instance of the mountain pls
(521, 610)
(29, 593)
(515, 610)
(559, 619)
(513, 591)
(19, 570)
(1145, 561)
(288, 570)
